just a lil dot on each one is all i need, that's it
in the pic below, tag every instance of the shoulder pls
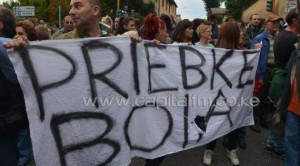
(197, 44)
(249, 29)
(3, 39)
(69, 35)
(57, 33)
(262, 35)
(211, 46)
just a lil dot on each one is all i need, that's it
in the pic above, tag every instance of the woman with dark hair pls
(229, 38)
(230, 19)
(155, 29)
(170, 26)
(126, 24)
(183, 32)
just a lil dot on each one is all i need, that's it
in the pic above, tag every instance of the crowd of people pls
(276, 83)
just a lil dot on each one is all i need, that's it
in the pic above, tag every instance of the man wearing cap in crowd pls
(265, 65)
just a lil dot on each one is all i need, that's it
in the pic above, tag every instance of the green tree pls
(10, 4)
(147, 8)
(48, 9)
(41, 7)
(53, 10)
(139, 7)
(235, 8)
(211, 4)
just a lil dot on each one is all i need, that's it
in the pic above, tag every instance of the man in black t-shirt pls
(284, 45)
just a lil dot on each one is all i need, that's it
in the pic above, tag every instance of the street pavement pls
(254, 155)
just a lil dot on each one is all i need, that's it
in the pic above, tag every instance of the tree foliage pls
(147, 8)
(138, 6)
(235, 8)
(53, 11)
(48, 9)
(211, 4)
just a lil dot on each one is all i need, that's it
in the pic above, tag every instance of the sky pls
(191, 9)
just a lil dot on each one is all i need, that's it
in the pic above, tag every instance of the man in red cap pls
(265, 66)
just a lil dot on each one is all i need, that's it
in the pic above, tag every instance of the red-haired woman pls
(155, 29)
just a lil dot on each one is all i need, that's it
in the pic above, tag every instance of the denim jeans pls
(24, 145)
(9, 150)
(292, 140)
(276, 141)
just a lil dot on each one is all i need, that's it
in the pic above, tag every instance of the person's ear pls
(96, 10)
(295, 21)
(125, 27)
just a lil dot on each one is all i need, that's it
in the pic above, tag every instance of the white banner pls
(104, 101)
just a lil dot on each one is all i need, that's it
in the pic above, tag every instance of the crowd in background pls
(275, 83)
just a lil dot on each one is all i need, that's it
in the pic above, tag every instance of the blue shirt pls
(264, 52)
(5, 64)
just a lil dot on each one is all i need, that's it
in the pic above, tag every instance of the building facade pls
(164, 7)
(279, 7)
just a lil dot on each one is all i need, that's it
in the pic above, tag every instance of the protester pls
(265, 66)
(183, 32)
(284, 45)
(229, 37)
(230, 19)
(253, 28)
(107, 25)
(204, 32)
(116, 25)
(126, 24)
(86, 16)
(107, 20)
(8, 140)
(155, 29)
(290, 110)
(170, 27)
(213, 19)
(42, 32)
(86, 13)
(196, 22)
(68, 26)
(25, 29)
